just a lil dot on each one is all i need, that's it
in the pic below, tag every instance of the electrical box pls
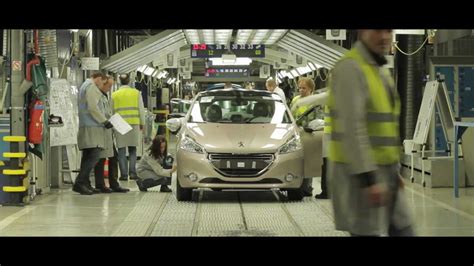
(466, 91)
(165, 96)
(265, 71)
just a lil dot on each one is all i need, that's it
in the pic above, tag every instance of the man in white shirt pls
(273, 87)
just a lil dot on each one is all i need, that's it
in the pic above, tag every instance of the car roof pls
(235, 92)
(218, 86)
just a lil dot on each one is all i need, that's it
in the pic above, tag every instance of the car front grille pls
(241, 165)
(214, 180)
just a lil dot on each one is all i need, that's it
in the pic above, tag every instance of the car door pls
(312, 142)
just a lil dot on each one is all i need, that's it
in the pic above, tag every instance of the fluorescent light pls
(239, 61)
(208, 36)
(142, 68)
(162, 74)
(303, 70)
(259, 35)
(294, 73)
(283, 73)
(193, 36)
(148, 71)
(75, 30)
(243, 36)
(410, 32)
(274, 36)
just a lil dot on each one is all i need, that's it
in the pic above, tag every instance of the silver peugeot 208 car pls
(238, 139)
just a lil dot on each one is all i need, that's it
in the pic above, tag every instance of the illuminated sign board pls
(227, 72)
(217, 50)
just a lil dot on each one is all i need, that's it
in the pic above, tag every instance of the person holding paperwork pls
(128, 103)
(110, 153)
(94, 112)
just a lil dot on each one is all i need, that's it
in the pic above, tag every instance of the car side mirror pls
(174, 125)
(176, 115)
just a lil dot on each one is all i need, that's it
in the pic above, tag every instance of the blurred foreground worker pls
(364, 147)
(128, 102)
(306, 88)
(156, 166)
(93, 128)
(108, 152)
(272, 86)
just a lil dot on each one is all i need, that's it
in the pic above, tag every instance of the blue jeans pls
(122, 158)
(90, 157)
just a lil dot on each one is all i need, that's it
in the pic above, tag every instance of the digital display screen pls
(217, 50)
(227, 72)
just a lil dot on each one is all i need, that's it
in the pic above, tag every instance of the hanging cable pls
(395, 44)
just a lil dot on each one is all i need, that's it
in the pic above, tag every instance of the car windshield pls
(239, 109)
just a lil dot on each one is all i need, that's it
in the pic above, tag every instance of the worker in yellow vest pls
(306, 88)
(364, 147)
(319, 98)
(128, 102)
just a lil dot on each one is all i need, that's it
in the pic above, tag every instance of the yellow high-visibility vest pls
(382, 118)
(126, 104)
(300, 110)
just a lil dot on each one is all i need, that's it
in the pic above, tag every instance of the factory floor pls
(62, 212)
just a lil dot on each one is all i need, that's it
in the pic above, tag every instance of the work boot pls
(82, 189)
(322, 196)
(120, 189)
(94, 190)
(140, 185)
(123, 178)
(105, 190)
(165, 188)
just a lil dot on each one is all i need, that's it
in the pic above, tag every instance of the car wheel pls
(183, 194)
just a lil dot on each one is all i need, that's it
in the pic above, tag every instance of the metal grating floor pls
(227, 213)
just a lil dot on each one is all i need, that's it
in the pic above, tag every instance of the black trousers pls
(324, 188)
(113, 172)
(89, 159)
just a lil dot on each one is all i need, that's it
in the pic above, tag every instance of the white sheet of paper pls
(120, 125)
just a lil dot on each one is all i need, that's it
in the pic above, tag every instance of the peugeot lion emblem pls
(241, 144)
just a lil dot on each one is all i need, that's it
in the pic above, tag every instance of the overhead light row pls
(296, 72)
(150, 71)
(171, 80)
(259, 36)
(208, 36)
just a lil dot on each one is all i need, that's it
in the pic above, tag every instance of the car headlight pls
(294, 144)
(190, 145)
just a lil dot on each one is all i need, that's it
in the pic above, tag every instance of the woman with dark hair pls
(154, 168)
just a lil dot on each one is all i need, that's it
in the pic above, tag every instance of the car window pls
(239, 110)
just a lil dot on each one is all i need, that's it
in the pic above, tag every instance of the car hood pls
(240, 138)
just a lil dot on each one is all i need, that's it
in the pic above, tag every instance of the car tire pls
(183, 194)
(296, 194)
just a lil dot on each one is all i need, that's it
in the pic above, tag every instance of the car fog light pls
(289, 177)
(193, 177)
